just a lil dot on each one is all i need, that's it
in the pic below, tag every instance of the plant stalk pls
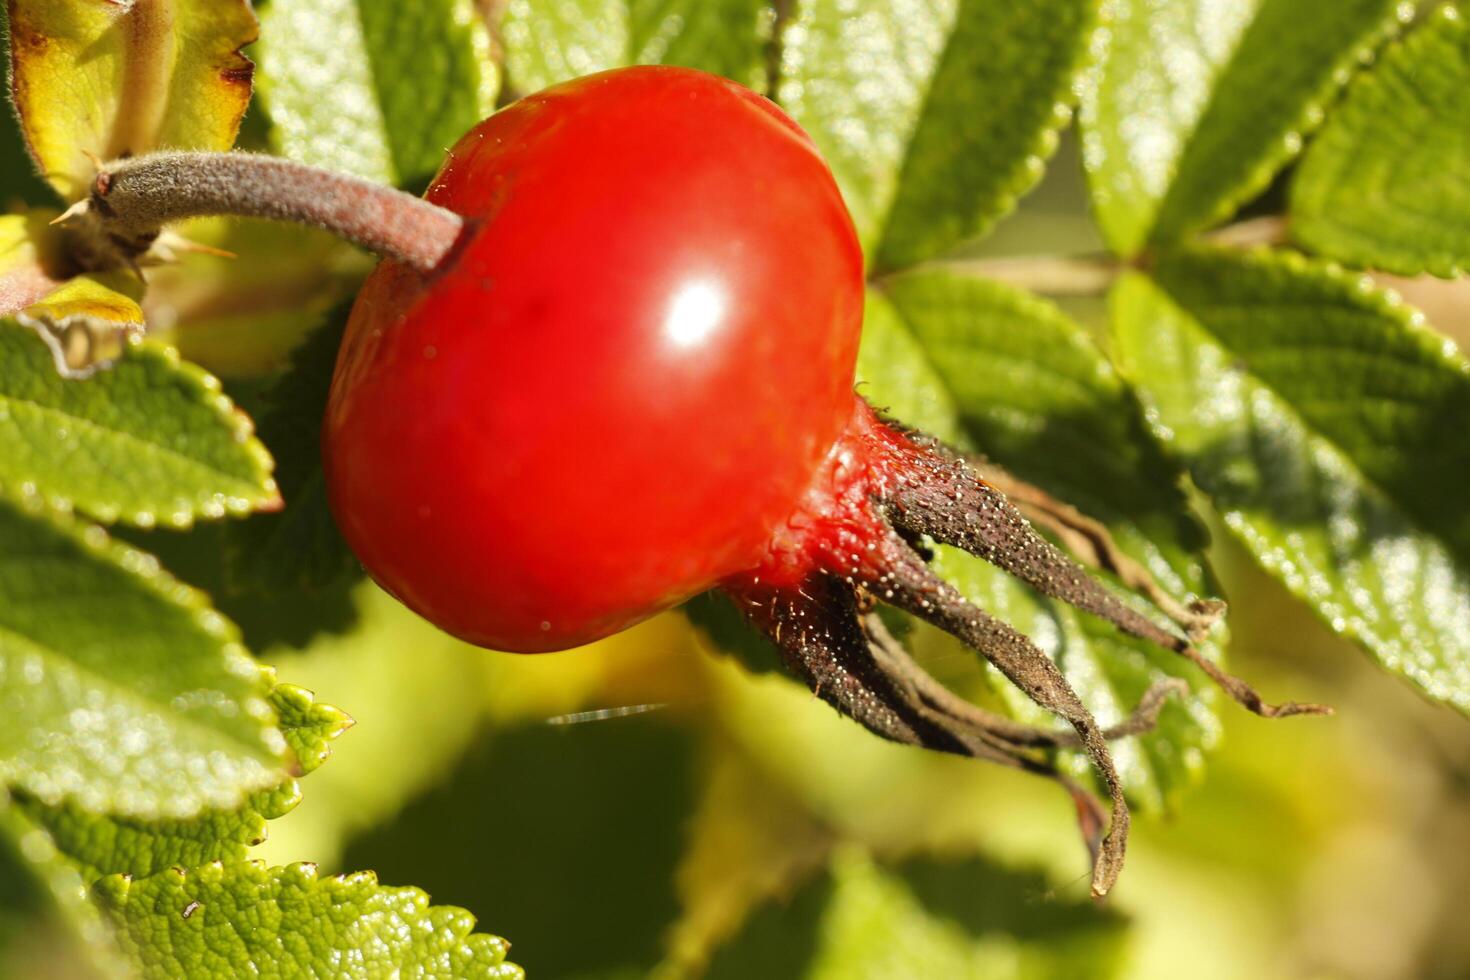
(132, 199)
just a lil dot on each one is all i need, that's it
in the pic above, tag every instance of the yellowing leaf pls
(86, 321)
(26, 260)
(105, 297)
(109, 78)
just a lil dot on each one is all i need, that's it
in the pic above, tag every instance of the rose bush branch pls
(132, 199)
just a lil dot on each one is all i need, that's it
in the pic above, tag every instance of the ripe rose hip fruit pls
(631, 380)
(624, 378)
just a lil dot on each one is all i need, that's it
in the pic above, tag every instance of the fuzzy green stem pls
(132, 199)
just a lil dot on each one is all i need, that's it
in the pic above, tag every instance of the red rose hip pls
(616, 387)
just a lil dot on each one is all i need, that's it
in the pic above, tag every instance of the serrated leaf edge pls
(1289, 146)
(1389, 303)
(115, 891)
(145, 569)
(1369, 81)
(331, 720)
(1031, 167)
(207, 389)
(1378, 298)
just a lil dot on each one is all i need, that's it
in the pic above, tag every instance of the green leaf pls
(309, 726)
(150, 439)
(376, 88)
(897, 377)
(102, 845)
(120, 688)
(1032, 393)
(526, 802)
(121, 79)
(47, 926)
(99, 845)
(1327, 425)
(1197, 103)
(299, 549)
(245, 920)
(926, 918)
(1384, 185)
(546, 43)
(933, 115)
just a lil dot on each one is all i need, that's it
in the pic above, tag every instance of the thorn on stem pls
(77, 210)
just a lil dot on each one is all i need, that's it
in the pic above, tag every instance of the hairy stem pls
(132, 199)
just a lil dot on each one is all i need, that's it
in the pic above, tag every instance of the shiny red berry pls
(611, 394)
